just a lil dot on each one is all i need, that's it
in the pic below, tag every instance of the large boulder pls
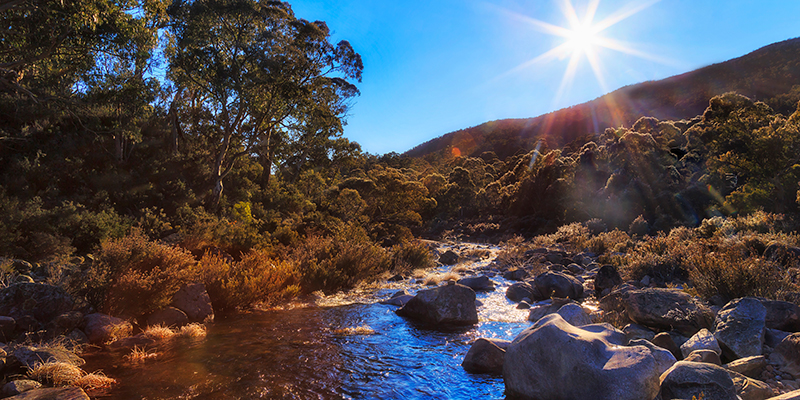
(556, 284)
(556, 361)
(42, 302)
(787, 355)
(740, 328)
(664, 359)
(65, 393)
(102, 328)
(749, 389)
(486, 356)
(664, 309)
(193, 300)
(449, 304)
(686, 380)
(782, 315)
(477, 283)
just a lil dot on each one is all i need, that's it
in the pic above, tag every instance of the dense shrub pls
(134, 276)
(411, 255)
(257, 278)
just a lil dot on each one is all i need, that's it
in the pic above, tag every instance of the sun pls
(583, 37)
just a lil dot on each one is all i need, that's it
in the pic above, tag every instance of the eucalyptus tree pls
(260, 80)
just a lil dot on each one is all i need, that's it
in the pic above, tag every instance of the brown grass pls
(354, 331)
(139, 355)
(159, 333)
(66, 374)
(435, 279)
(193, 331)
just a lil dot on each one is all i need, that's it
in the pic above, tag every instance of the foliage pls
(256, 278)
(134, 276)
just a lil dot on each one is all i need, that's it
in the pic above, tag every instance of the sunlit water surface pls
(315, 352)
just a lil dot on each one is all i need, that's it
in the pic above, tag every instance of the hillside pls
(763, 74)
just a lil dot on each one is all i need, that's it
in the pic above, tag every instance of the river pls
(346, 346)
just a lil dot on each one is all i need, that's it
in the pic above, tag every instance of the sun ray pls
(583, 38)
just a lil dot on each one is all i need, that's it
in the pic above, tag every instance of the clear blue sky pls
(435, 66)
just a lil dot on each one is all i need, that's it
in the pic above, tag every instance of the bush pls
(411, 255)
(257, 278)
(338, 262)
(731, 273)
(134, 276)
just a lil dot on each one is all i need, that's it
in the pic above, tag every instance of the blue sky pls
(435, 66)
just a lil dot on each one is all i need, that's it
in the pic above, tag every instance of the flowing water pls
(346, 346)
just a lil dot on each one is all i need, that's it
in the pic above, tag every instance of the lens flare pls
(583, 37)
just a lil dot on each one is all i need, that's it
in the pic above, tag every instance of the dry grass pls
(435, 279)
(192, 331)
(159, 333)
(354, 331)
(95, 380)
(139, 355)
(66, 374)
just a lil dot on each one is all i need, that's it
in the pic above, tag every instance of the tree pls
(261, 78)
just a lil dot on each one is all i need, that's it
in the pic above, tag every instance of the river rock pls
(170, 316)
(449, 304)
(545, 307)
(14, 388)
(556, 284)
(555, 360)
(782, 315)
(787, 355)
(689, 379)
(193, 300)
(772, 337)
(740, 328)
(702, 340)
(749, 389)
(664, 359)
(7, 326)
(607, 278)
(574, 314)
(42, 302)
(781, 252)
(704, 356)
(748, 366)
(29, 356)
(516, 274)
(102, 328)
(486, 356)
(398, 299)
(793, 395)
(664, 340)
(477, 283)
(520, 290)
(449, 257)
(660, 308)
(66, 393)
(636, 331)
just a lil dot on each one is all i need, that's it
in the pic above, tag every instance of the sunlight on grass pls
(354, 331)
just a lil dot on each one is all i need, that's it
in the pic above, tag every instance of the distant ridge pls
(765, 73)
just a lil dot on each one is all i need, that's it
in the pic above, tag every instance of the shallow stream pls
(326, 350)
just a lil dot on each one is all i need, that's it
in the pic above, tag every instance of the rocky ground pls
(663, 344)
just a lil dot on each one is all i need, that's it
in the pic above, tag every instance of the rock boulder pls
(449, 304)
(691, 379)
(555, 360)
(740, 328)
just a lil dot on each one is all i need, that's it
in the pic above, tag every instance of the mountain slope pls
(765, 73)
